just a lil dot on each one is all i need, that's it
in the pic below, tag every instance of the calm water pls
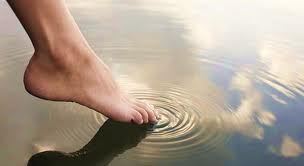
(228, 78)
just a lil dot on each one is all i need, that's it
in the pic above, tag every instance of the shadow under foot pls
(112, 138)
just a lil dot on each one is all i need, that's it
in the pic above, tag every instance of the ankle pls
(64, 53)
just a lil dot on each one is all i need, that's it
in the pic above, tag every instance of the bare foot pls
(78, 75)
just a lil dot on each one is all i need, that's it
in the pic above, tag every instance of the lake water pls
(227, 76)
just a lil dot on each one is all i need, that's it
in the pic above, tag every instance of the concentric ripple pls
(68, 130)
(184, 128)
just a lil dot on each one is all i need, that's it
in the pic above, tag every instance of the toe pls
(137, 118)
(156, 112)
(143, 113)
(149, 109)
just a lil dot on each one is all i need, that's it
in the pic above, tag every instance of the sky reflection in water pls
(228, 78)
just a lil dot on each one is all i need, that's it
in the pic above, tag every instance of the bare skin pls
(65, 68)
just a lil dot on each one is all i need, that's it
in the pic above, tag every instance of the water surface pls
(227, 77)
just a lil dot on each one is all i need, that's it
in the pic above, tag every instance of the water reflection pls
(251, 108)
(110, 140)
(289, 148)
(187, 121)
(281, 72)
(219, 72)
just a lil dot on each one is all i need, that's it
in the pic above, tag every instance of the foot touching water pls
(80, 76)
(65, 68)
